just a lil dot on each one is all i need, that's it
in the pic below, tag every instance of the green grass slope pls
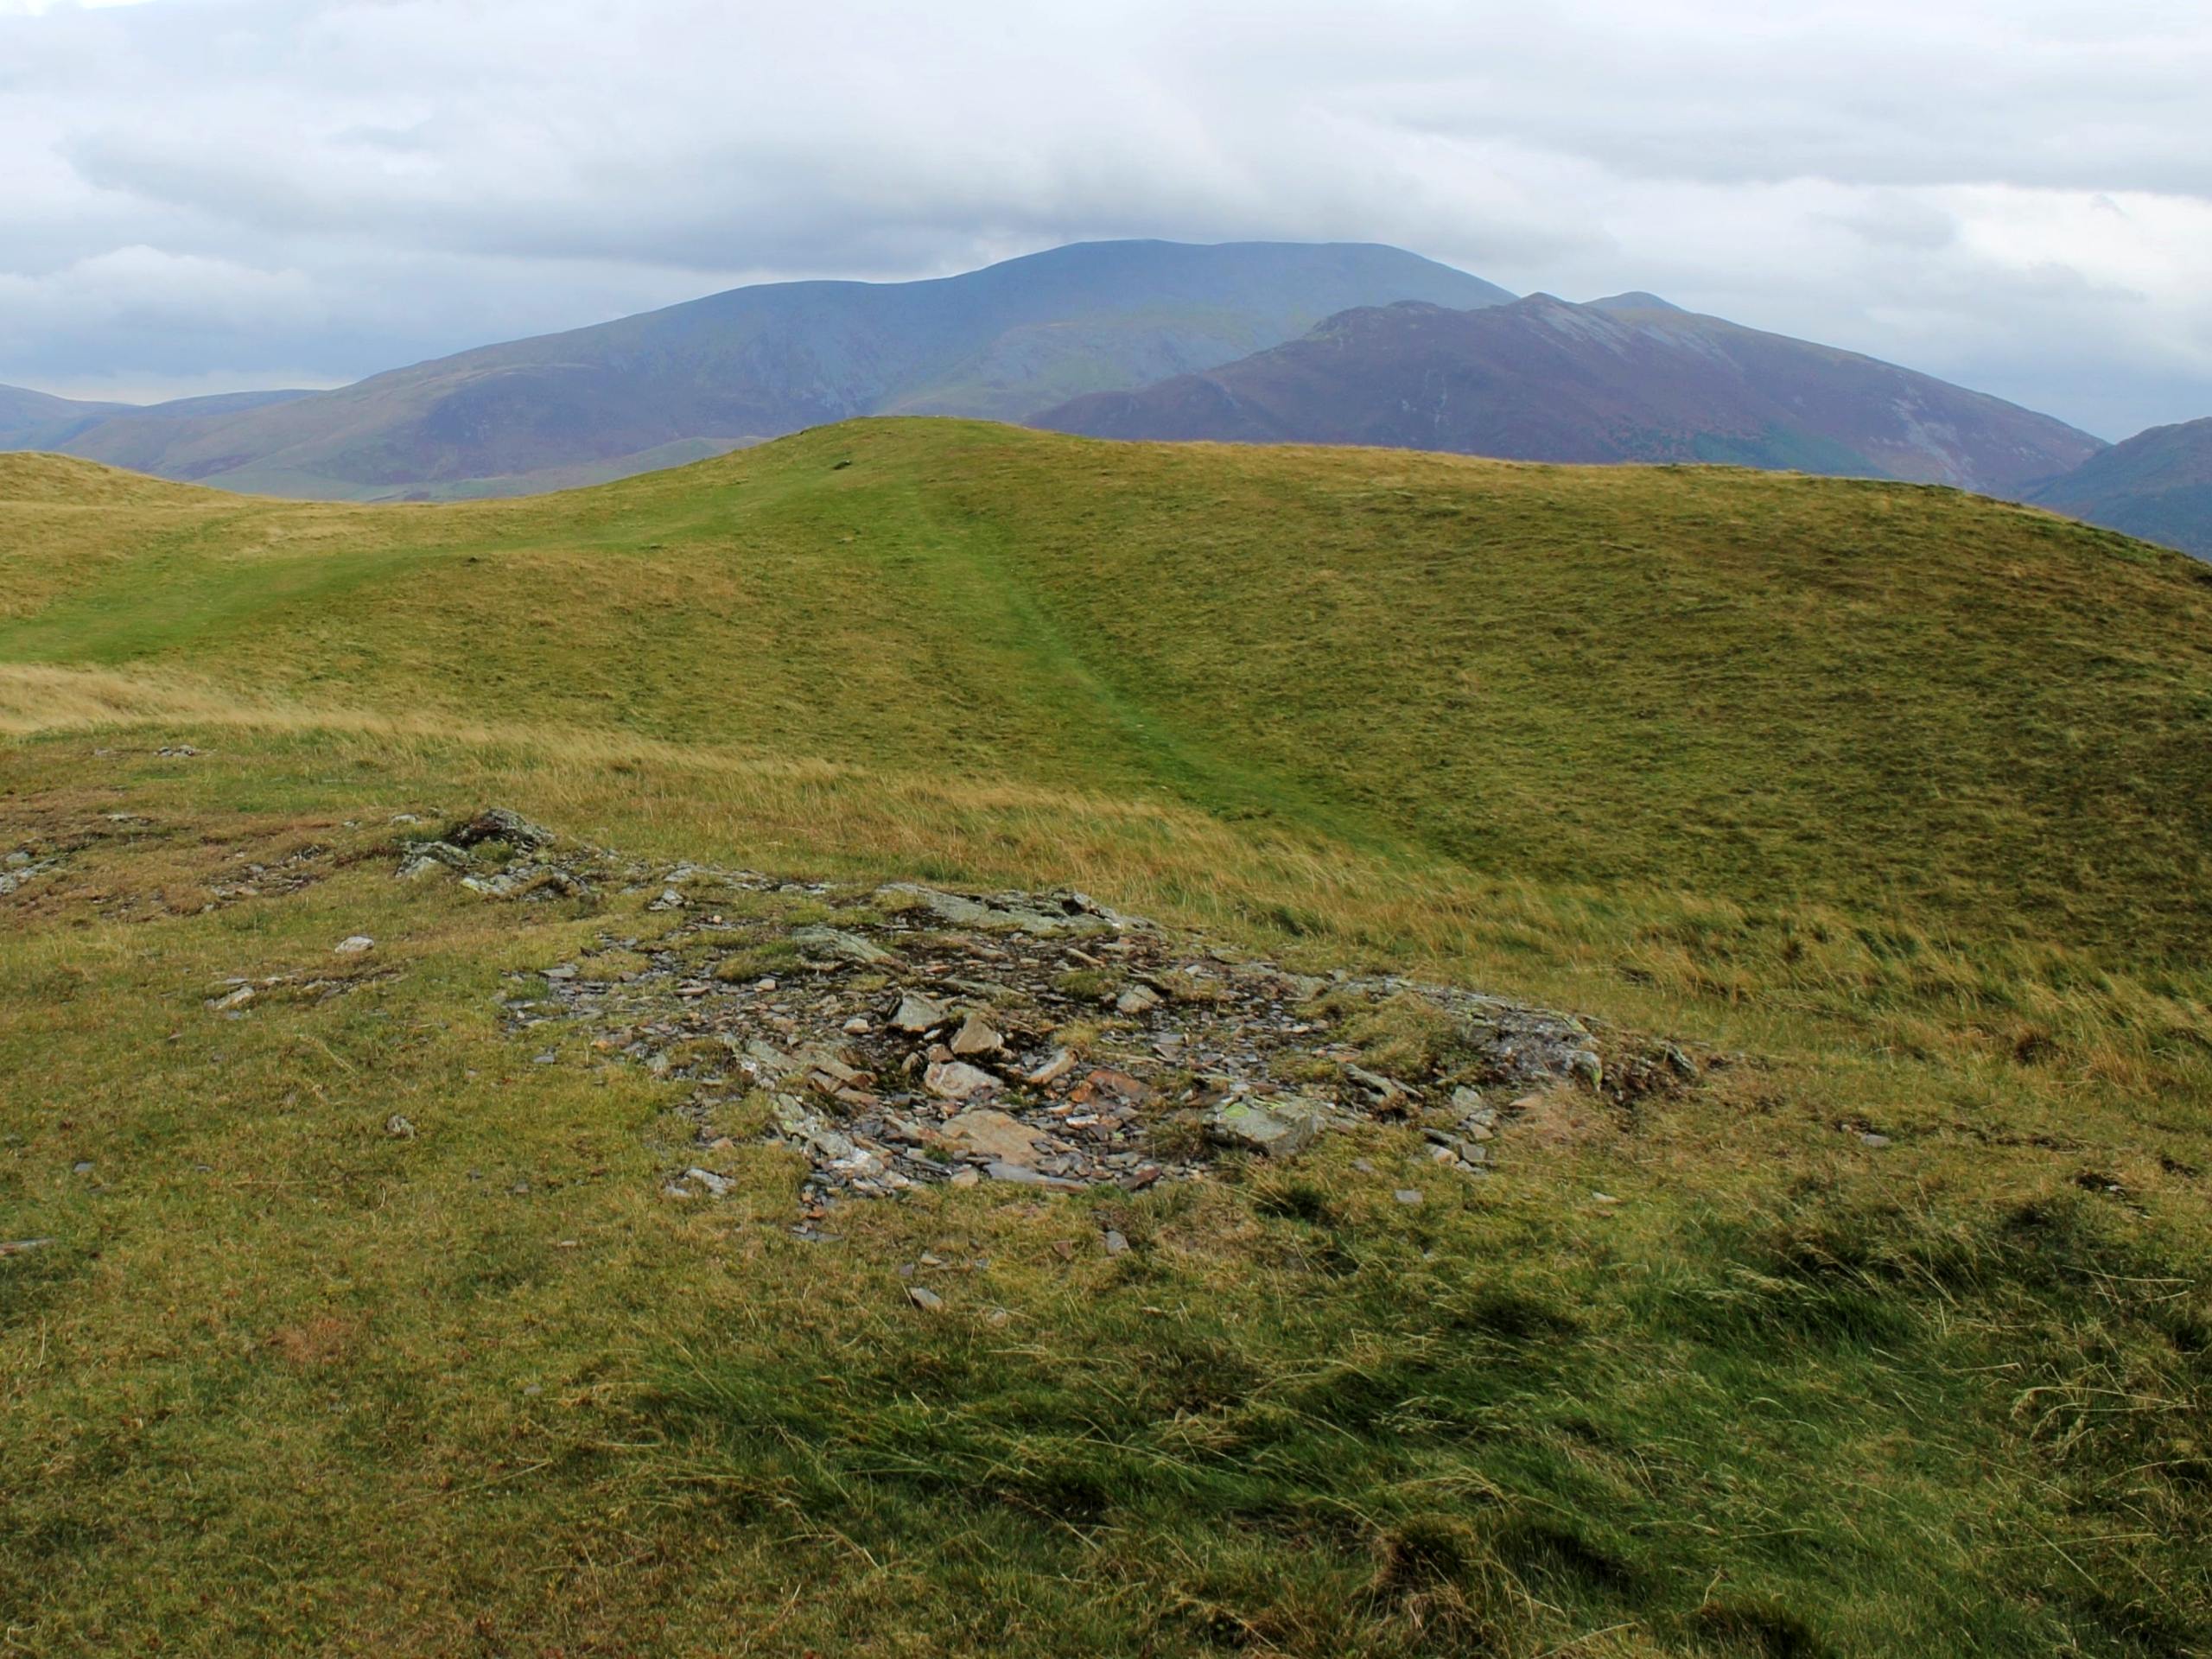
(1898, 794)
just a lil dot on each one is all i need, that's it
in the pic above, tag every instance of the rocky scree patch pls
(906, 1035)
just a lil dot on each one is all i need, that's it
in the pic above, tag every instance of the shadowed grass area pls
(1899, 795)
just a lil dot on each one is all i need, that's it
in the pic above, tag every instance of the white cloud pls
(2010, 191)
(38, 7)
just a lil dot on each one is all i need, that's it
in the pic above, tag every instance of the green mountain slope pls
(757, 362)
(2156, 485)
(1885, 803)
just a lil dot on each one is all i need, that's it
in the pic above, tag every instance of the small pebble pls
(1408, 1195)
(924, 1297)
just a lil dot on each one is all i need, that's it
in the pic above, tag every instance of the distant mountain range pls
(1244, 342)
(753, 363)
(1629, 378)
(137, 435)
(2158, 486)
(31, 420)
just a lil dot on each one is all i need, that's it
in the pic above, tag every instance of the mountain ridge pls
(757, 362)
(1629, 378)
(2156, 486)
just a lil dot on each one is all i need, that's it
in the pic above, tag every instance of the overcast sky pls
(206, 194)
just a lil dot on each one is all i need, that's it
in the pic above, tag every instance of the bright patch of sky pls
(206, 194)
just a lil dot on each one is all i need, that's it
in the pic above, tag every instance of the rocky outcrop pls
(910, 1036)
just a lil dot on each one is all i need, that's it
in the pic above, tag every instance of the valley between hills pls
(931, 1037)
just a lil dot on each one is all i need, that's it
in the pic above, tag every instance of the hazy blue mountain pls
(34, 420)
(1630, 378)
(755, 362)
(2157, 485)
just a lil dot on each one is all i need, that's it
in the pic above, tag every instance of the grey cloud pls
(348, 184)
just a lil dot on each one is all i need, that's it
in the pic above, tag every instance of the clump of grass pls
(743, 1118)
(1404, 1036)
(1087, 985)
(759, 959)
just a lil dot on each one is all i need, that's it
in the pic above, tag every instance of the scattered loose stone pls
(1023, 1175)
(1408, 1195)
(354, 945)
(836, 945)
(23, 1246)
(913, 1045)
(720, 1186)
(1115, 1243)
(957, 1080)
(924, 1297)
(1387, 1092)
(1870, 1138)
(975, 1037)
(424, 857)
(917, 1015)
(1045, 916)
(398, 1127)
(1137, 1001)
(1277, 1130)
(236, 998)
(1052, 1070)
(999, 1137)
(19, 869)
(498, 823)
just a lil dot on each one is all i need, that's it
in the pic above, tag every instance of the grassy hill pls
(1892, 1332)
